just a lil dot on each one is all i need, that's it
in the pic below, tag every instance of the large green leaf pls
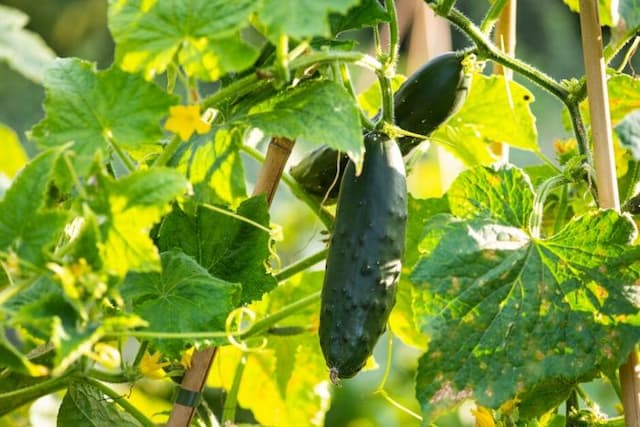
(23, 50)
(96, 110)
(511, 315)
(629, 19)
(495, 111)
(214, 168)
(318, 112)
(300, 18)
(229, 248)
(628, 131)
(202, 35)
(289, 371)
(368, 13)
(25, 227)
(127, 209)
(184, 297)
(85, 405)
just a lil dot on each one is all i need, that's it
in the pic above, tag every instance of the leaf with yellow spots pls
(512, 315)
(184, 120)
(203, 36)
(100, 110)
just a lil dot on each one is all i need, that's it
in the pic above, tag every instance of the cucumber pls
(424, 101)
(364, 260)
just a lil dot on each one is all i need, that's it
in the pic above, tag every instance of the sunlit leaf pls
(289, 371)
(128, 208)
(202, 35)
(214, 168)
(607, 9)
(96, 110)
(494, 112)
(13, 155)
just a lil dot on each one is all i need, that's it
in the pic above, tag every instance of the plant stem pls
(394, 37)
(109, 378)
(268, 321)
(492, 15)
(388, 114)
(488, 50)
(120, 400)
(630, 52)
(126, 161)
(140, 353)
(26, 394)
(542, 192)
(282, 58)
(301, 265)
(168, 152)
(230, 403)
(348, 84)
(323, 215)
(563, 207)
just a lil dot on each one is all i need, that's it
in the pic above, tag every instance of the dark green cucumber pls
(364, 260)
(424, 101)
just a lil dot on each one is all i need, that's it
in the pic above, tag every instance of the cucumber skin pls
(425, 100)
(364, 260)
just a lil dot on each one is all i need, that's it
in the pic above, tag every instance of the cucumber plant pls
(129, 241)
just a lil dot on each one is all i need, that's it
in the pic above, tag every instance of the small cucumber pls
(364, 260)
(424, 101)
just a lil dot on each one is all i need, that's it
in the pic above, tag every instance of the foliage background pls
(548, 37)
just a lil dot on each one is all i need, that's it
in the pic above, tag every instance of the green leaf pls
(127, 209)
(320, 112)
(23, 50)
(606, 10)
(494, 112)
(629, 19)
(12, 359)
(624, 96)
(510, 315)
(13, 155)
(214, 168)
(229, 248)
(290, 371)
(628, 131)
(183, 298)
(402, 320)
(203, 36)
(96, 110)
(368, 13)
(504, 195)
(300, 18)
(86, 406)
(25, 227)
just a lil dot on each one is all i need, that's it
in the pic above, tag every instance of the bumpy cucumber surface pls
(424, 101)
(364, 260)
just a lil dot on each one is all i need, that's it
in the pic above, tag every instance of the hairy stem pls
(230, 403)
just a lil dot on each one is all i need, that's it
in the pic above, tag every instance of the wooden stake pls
(606, 170)
(195, 377)
(505, 38)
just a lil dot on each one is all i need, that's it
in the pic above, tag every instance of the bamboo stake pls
(605, 171)
(195, 377)
(505, 38)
